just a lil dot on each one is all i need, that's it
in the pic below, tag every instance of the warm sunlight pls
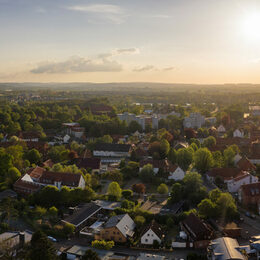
(251, 26)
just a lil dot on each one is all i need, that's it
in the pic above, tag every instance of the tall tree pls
(203, 160)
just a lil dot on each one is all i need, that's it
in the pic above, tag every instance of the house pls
(60, 179)
(221, 130)
(29, 136)
(89, 163)
(234, 178)
(249, 195)
(111, 152)
(26, 186)
(82, 215)
(198, 232)
(14, 241)
(48, 163)
(176, 173)
(225, 248)
(238, 133)
(152, 232)
(118, 228)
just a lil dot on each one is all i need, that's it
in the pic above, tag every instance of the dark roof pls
(226, 173)
(155, 163)
(155, 227)
(245, 165)
(112, 147)
(82, 214)
(7, 194)
(67, 179)
(197, 229)
(93, 163)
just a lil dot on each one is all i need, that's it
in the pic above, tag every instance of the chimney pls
(21, 239)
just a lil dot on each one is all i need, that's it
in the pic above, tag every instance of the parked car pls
(52, 239)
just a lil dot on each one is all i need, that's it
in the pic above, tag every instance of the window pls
(146, 240)
(148, 235)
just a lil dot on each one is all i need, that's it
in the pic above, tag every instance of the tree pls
(139, 188)
(139, 221)
(176, 192)
(5, 162)
(134, 126)
(127, 194)
(226, 206)
(229, 155)
(13, 174)
(33, 156)
(218, 159)
(114, 190)
(53, 212)
(184, 158)
(90, 255)
(41, 247)
(203, 160)
(210, 142)
(68, 229)
(172, 155)
(192, 182)
(189, 133)
(164, 148)
(102, 244)
(162, 188)
(127, 204)
(147, 173)
(206, 208)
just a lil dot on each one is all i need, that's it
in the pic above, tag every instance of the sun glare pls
(251, 27)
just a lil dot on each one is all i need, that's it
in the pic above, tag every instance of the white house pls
(238, 133)
(151, 233)
(176, 173)
(221, 129)
(234, 184)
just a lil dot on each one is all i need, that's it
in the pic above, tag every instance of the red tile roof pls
(36, 173)
(226, 173)
(66, 179)
(245, 165)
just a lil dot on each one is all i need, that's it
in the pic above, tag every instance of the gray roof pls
(82, 214)
(124, 224)
(112, 147)
(7, 193)
(226, 248)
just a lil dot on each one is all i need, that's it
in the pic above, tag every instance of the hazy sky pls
(189, 41)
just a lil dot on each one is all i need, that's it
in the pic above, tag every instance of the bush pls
(102, 244)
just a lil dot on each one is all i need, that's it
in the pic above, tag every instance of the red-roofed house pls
(233, 177)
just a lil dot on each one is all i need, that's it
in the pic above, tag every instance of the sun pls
(251, 27)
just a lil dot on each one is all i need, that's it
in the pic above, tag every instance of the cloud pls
(78, 64)
(113, 13)
(168, 68)
(144, 68)
(117, 52)
(40, 10)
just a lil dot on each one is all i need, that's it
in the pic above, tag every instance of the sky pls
(172, 41)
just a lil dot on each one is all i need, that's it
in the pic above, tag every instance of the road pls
(176, 254)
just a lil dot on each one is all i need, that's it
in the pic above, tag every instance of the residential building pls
(176, 173)
(152, 232)
(146, 256)
(225, 248)
(118, 228)
(194, 120)
(89, 163)
(234, 178)
(198, 232)
(82, 215)
(111, 152)
(249, 195)
(238, 133)
(38, 177)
